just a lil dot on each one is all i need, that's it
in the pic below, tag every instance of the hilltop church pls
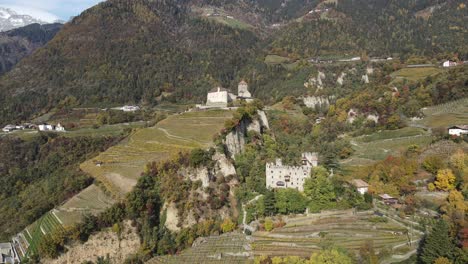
(284, 176)
(220, 97)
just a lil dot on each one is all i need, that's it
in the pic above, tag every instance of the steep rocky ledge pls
(235, 140)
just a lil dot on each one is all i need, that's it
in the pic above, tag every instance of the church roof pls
(220, 89)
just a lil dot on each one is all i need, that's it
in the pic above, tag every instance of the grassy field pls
(379, 145)
(415, 74)
(229, 248)
(304, 235)
(445, 115)
(123, 164)
(275, 59)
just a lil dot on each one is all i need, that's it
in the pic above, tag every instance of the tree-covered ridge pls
(380, 28)
(21, 42)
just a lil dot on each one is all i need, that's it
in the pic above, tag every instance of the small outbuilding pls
(388, 200)
(449, 63)
(361, 186)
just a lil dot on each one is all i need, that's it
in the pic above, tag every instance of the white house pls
(130, 108)
(59, 128)
(46, 127)
(458, 130)
(284, 176)
(361, 186)
(449, 64)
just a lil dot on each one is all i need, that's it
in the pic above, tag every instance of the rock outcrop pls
(236, 139)
(316, 82)
(316, 101)
(103, 244)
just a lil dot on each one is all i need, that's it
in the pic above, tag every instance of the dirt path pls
(244, 218)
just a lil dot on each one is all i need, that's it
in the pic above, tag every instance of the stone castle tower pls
(243, 90)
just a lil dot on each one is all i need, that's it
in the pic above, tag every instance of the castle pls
(283, 176)
(219, 97)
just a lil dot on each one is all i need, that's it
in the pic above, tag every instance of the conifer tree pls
(437, 244)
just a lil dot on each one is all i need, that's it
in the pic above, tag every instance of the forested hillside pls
(145, 52)
(38, 174)
(125, 51)
(21, 42)
(379, 28)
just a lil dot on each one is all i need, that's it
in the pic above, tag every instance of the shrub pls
(269, 224)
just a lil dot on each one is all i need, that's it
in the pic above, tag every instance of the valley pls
(269, 132)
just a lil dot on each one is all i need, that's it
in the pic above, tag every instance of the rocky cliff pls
(235, 140)
(118, 247)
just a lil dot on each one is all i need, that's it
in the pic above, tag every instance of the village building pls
(449, 63)
(130, 108)
(458, 130)
(361, 186)
(388, 200)
(51, 128)
(284, 176)
(8, 254)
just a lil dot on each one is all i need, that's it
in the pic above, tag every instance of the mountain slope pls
(378, 27)
(161, 48)
(9, 19)
(21, 42)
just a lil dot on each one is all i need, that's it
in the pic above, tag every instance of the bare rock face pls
(235, 140)
(340, 79)
(103, 244)
(316, 101)
(223, 165)
(316, 82)
(365, 78)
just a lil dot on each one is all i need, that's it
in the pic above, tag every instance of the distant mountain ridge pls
(9, 19)
(21, 42)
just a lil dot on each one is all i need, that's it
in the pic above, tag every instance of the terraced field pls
(379, 145)
(415, 74)
(35, 232)
(121, 166)
(304, 235)
(445, 115)
(91, 200)
(227, 248)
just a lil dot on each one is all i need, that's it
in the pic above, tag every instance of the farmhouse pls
(458, 130)
(284, 176)
(449, 63)
(361, 186)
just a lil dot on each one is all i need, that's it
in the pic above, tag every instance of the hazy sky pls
(50, 10)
